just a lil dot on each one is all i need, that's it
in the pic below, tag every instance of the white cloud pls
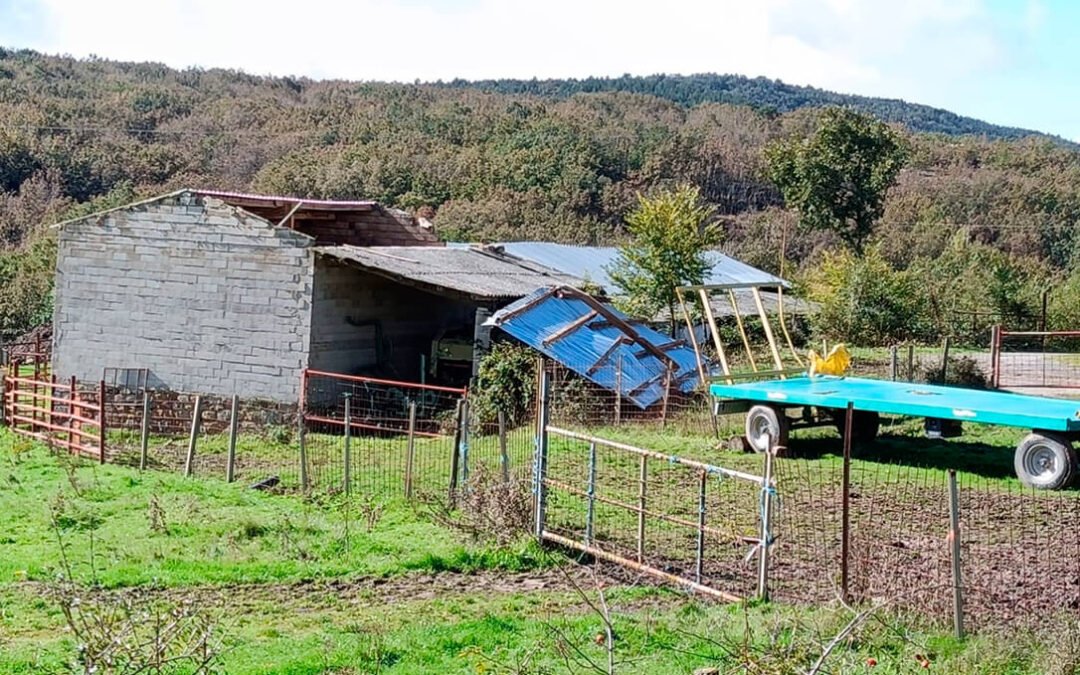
(864, 46)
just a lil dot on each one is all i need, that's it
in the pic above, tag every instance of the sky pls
(1009, 62)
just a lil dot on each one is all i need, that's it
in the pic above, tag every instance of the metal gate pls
(690, 523)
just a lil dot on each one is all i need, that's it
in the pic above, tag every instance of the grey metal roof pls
(591, 263)
(477, 273)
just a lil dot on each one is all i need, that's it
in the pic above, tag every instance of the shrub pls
(962, 371)
(505, 383)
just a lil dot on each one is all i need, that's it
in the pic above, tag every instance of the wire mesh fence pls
(1035, 359)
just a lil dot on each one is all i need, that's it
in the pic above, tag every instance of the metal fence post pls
(642, 487)
(504, 457)
(454, 453)
(954, 538)
(196, 418)
(463, 452)
(945, 360)
(144, 432)
(699, 563)
(541, 460)
(590, 508)
(766, 519)
(410, 457)
(347, 473)
(845, 507)
(234, 431)
(301, 434)
(102, 425)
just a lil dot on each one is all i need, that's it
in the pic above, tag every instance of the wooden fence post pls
(911, 363)
(618, 390)
(954, 538)
(845, 507)
(504, 456)
(667, 395)
(234, 431)
(347, 474)
(945, 360)
(410, 457)
(196, 422)
(894, 363)
(144, 432)
(72, 423)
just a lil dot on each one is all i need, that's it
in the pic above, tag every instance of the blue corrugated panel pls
(591, 344)
(592, 263)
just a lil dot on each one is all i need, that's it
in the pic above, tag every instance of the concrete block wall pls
(345, 296)
(208, 298)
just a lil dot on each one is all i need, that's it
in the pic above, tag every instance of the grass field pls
(308, 586)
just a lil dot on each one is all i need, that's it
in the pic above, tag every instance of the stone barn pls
(221, 293)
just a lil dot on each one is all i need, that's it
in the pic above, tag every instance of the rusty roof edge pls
(176, 193)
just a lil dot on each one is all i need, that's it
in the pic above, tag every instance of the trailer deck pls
(910, 399)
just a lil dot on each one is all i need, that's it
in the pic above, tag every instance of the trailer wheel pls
(864, 425)
(1046, 461)
(762, 420)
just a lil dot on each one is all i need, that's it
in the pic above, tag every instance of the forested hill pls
(79, 135)
(758, 92)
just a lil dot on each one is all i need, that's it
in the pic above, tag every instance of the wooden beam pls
(570, 327)
(707, 308)
(693, 338)
(768, 329)
(622, 340)
(617, 321)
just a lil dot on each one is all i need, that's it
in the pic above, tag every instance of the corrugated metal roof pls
(591, 262)
(270, 200)
(565, 325)
(470, 271)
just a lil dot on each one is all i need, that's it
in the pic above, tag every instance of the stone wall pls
(171, 412)
(205, 296)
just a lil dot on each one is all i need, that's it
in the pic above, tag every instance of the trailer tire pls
(864, 425)
(762, 419)
(1045, 461)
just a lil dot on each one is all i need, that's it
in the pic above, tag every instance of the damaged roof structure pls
(601, 344)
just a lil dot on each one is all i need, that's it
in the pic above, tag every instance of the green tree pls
(837, 178)
(669, 235)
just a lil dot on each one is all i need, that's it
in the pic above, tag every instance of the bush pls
(505, 383)
(962, 371)
(865, 301)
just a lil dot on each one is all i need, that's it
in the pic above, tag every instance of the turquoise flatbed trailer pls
(1045, 458)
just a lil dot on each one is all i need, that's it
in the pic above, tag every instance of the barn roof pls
(473, 272)
(592, 263)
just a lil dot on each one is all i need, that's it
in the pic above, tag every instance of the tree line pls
(79, 135)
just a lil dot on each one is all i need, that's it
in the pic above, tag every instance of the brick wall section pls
(205, 296)
(380, 226)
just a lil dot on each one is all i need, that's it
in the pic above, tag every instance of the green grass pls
(164, 528)
(297, 596)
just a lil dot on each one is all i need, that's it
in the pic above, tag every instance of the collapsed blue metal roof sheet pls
(594, 340)
(592, 263)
